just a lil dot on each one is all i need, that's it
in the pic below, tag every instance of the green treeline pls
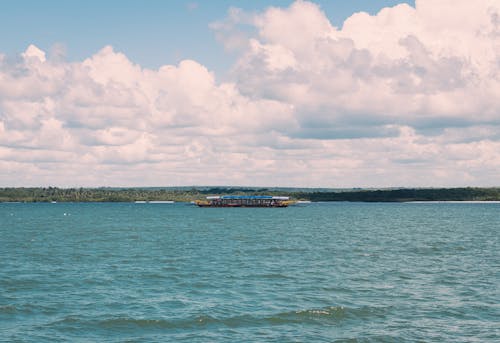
(49, 194)
(402, 195)
(92, 194)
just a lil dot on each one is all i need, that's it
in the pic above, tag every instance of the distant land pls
(187, 194)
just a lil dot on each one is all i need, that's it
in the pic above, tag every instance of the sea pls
(319, 272)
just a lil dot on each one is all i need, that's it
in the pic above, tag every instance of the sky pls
(250, 93)
(150, 33)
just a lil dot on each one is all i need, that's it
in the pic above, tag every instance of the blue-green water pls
(335, 272)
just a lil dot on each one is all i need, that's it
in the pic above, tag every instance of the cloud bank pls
(407, 97)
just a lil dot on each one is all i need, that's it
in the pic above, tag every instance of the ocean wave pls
(27, 309)
(272, 276)
(15, 284)
(279, 249)
(8, 309)
(329, 313)
(306, 316)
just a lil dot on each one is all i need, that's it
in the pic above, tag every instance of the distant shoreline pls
(181, 194)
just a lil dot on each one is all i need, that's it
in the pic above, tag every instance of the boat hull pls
(240, 205)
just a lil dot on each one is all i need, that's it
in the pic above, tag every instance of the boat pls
(245, 201)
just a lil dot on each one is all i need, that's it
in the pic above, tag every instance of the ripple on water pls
(315, 316)
(12, 311)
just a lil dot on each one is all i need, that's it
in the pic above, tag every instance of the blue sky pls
(285, 93)
(151, 33)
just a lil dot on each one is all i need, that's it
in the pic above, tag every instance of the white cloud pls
(33, 53)
(388, 67)
(409, 96)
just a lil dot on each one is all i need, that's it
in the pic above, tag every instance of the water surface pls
(326, 272)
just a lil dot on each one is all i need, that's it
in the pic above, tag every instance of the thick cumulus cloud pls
(108, 121)
(406, 97)
(430, 67)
